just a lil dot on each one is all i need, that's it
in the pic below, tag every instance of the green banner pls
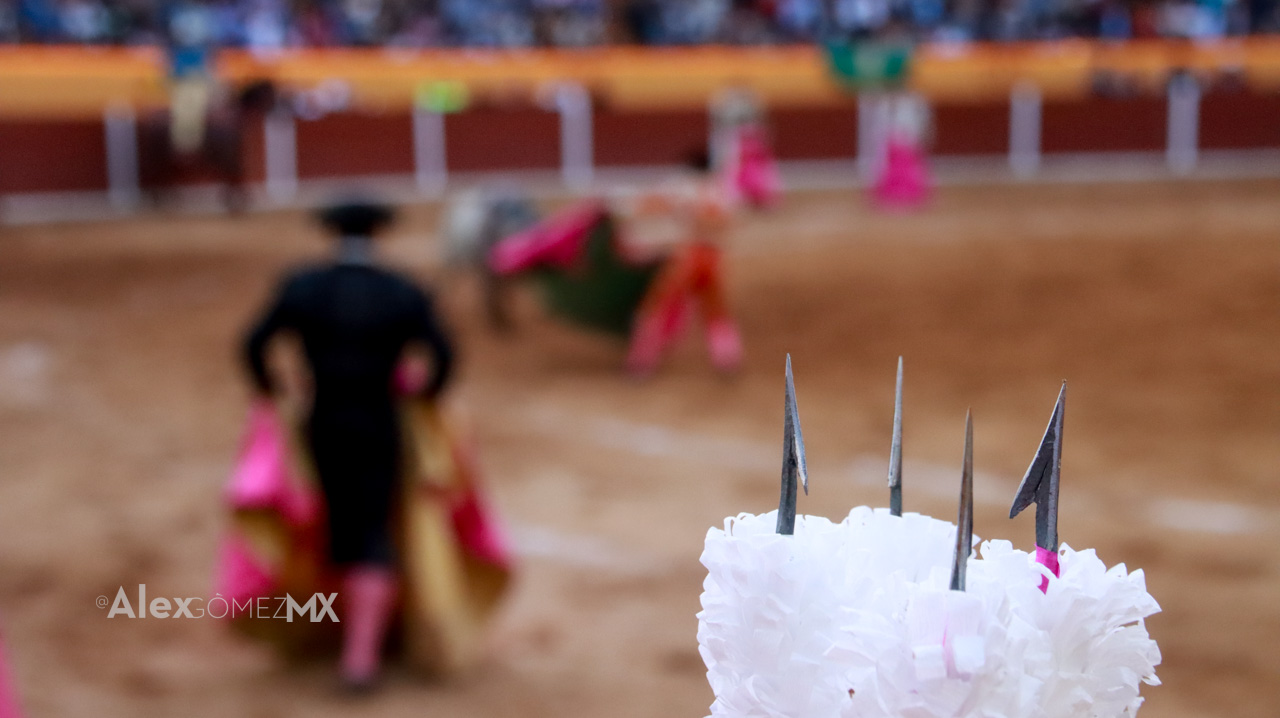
(443, 97)
(869, 64)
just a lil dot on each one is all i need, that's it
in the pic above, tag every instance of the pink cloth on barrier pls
(1048, 559)
(557, 241)
(8, 696)
(904, 180)
(755, 174)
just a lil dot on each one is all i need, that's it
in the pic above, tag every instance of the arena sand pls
(121, 403)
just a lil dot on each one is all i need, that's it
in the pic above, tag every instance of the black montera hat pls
(356, 217)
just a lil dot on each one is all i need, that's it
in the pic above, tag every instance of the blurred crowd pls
(272, 25)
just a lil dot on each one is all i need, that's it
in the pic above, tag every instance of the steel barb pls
(794, 470)
(895, 450)
(1040, 484)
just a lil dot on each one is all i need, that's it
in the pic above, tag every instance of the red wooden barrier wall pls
(65, 155)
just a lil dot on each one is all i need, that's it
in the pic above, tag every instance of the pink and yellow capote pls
(455, 564)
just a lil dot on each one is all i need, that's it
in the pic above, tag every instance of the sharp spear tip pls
(794, 462)
(895, 446)
(964, 518)
(797, 439)
(895, 449)
(789, 400)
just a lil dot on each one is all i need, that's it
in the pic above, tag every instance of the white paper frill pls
(855, 620)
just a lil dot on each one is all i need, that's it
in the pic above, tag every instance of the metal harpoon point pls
(794, 470)
(964, 518)
(895, 450)
(1040, 485)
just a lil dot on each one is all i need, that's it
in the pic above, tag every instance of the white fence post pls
(281, 140)
(577, 153)
(1183, 139)
(873, 130)
(1025, 121)
(719, 137)
(120, 129)
(430, 166)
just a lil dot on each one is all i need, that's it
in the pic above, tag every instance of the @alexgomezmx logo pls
(284, 607)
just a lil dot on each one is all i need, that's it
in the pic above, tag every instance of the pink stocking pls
(646, 345)
(369, 599)
(725, 344)
(653, 332)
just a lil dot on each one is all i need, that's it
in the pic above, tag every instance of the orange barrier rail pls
(75, 81)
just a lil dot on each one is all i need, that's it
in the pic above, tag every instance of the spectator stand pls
(68, 115)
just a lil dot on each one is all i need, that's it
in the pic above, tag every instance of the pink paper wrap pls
(1048, 559)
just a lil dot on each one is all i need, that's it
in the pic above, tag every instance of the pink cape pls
(263, 483)
(557, 241)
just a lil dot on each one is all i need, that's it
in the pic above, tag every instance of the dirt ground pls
(121, 404)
